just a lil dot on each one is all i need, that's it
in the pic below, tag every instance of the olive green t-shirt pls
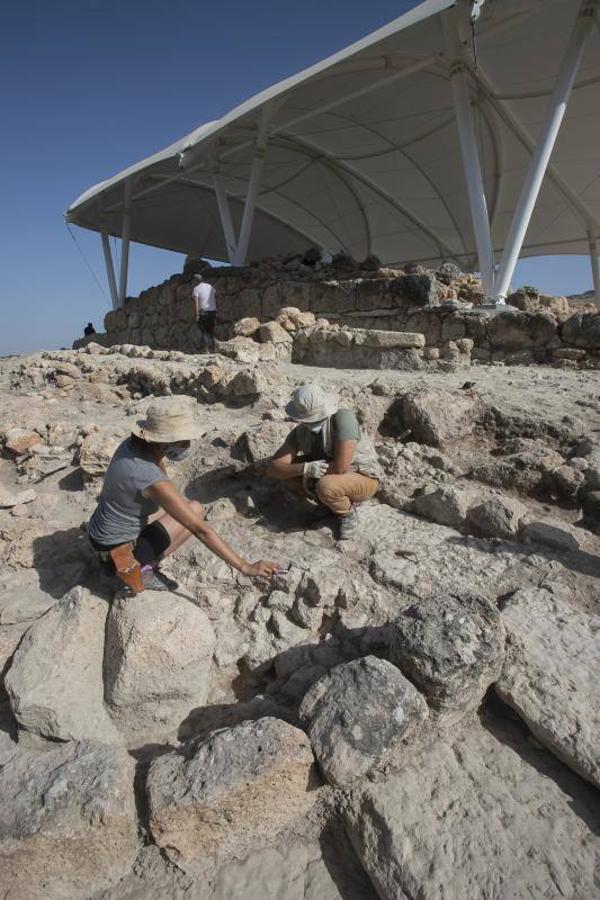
(344, 426)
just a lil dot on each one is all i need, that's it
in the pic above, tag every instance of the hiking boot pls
(155, 580)
(348, 525)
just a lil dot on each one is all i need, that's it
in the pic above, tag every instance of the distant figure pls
(89, 329)
(206, 312)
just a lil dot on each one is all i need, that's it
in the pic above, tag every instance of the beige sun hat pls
(310, 403)
(169, 419)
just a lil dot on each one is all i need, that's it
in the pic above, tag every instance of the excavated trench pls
(481, 505)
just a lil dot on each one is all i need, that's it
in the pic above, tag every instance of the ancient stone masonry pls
(443, 306)
(410, 713)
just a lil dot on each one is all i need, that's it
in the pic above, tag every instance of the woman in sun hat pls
(326, 457)
(136, 486)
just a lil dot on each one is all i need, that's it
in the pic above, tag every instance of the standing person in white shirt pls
(206, 312)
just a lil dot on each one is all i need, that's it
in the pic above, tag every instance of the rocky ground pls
(410, 714)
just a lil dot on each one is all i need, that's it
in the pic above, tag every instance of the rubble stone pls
(356, 714)
(436, 417)
(9, 500)
(18, 440)
(446, 505)
(230, 791)
(157, 662)
(272, 332)
(497, 517)
(246, 327)
(582, 330)
(451, 647)
(55, 680)
(67, 822)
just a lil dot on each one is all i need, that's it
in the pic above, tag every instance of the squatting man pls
(326, 458)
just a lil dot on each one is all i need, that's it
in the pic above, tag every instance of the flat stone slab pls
(402, 340)
(358, 712)
(551, 675)
(480, 817)
(68, 826)
(451, 647)
(235, 788)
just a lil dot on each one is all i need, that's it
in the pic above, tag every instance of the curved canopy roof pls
(363, 150)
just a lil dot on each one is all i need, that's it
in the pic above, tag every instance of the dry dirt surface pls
(411, 713)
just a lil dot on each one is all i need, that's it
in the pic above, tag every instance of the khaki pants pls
(339, 492)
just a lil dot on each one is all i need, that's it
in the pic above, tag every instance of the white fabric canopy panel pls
(417, 143)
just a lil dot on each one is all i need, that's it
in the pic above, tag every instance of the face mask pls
(316, 427)
(176, 454)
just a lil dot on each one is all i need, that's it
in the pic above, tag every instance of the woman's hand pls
(262, 569)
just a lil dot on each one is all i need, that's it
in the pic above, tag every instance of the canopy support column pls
(125, 235)
(253, 184)
(593, 242)
(225, 214)
(469, 150)
(110, 270)
(541, 156)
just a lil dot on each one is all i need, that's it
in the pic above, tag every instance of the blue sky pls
(88, 87)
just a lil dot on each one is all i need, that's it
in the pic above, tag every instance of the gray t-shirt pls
(122, 510)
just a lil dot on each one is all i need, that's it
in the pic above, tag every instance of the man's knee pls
(326, 487)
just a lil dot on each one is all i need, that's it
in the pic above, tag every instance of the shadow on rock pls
(66, 559)
(72, 482)
(343, 865)
(578, 561)
(218, 483)
(202, 721)
(506, 727)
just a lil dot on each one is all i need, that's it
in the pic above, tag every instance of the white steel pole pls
(225, 214)
(110, 270)
(253, 185)
(595, 265)
(469, 150)
(125, 235)
(541, 156)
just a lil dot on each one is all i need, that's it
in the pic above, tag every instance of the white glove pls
(315, 469)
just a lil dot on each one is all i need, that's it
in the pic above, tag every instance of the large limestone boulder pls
(582, 330)
(446, 505)
(273, 333)
(551, 674)
(158, 656)
(497, 517)
(261, 441)
(482, 816)
(96, 451)
(438, 417)
(67, 822)
(512, 330)
(55, 680)
(451, 647)
(246, 327)
(230, 791)
(356, 714)
(526, 465)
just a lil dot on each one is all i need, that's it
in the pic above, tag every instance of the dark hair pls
(139, 443)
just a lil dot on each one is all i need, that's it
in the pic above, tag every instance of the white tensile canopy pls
(465, 131)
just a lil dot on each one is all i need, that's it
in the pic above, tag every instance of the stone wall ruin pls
(445, 307)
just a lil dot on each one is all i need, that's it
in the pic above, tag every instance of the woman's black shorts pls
(153, 541)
